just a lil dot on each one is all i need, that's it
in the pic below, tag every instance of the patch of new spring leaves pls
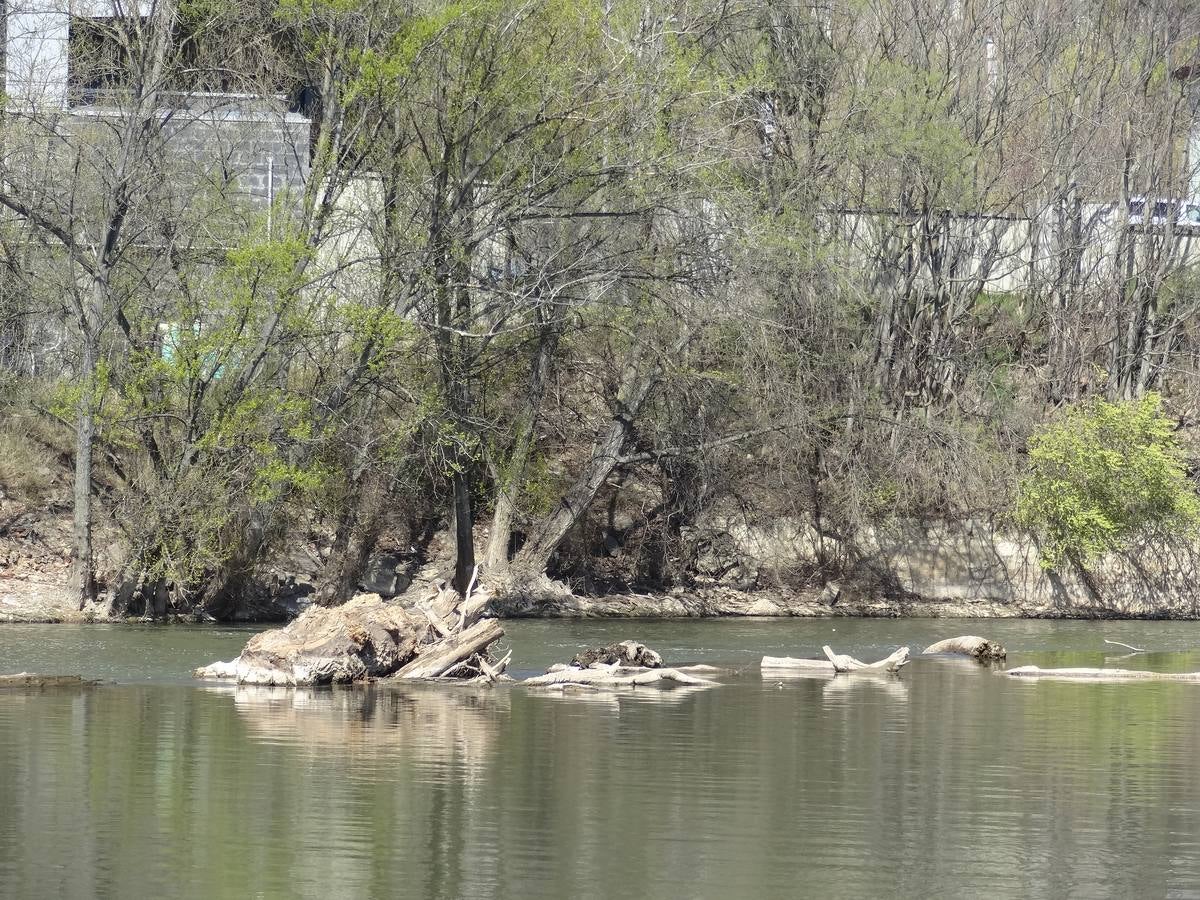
(1102, 475)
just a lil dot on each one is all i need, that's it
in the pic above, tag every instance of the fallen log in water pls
(614, 676)
(1102, 675)
(791, 663)
(29, 681)
(969, 645)
(366, 637)
(835, 663)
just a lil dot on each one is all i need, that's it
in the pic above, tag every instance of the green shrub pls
(1104, 474)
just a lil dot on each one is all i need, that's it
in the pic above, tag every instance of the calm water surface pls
(949, 781)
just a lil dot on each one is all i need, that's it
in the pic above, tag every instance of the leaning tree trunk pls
(354, 540)
(511, 477)
(549, 533)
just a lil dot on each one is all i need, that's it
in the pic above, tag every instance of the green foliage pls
(1104, 474)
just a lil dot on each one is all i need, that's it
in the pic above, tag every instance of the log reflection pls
(430, 723)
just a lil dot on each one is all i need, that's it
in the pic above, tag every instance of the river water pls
(948, 781)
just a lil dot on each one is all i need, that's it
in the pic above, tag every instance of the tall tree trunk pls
(83, 568)
(354, 540)
(464, 538)
(510, 477)
(495, 556)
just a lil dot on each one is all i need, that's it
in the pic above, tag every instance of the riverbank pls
(28, 600)
(726, 603)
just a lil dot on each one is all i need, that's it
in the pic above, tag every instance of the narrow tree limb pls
(437, 625)
(465, 665)
(471, 584)
(493, 672)
(1126, 646)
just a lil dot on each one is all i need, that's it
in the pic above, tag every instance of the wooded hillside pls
(576, 281)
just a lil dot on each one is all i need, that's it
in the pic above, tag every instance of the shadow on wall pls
(976, 562)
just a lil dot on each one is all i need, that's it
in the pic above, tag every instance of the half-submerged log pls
(792, 663)
(835, 663)
(1102, 675)
(969, 645)
(614, 676)
(843, 663)
(29, 681)
(366, 637)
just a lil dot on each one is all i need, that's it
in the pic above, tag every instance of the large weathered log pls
(843, 663)
(969, 645)
(1101, 674)
(615, 676)
(440, 657)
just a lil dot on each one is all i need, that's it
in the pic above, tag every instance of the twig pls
(462, 610)
(465, 664)
(1126, 646)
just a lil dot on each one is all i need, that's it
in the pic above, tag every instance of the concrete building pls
(262, 144)
(1190, 76)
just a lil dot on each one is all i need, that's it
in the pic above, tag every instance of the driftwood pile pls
(978, 648)
(443, 635)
